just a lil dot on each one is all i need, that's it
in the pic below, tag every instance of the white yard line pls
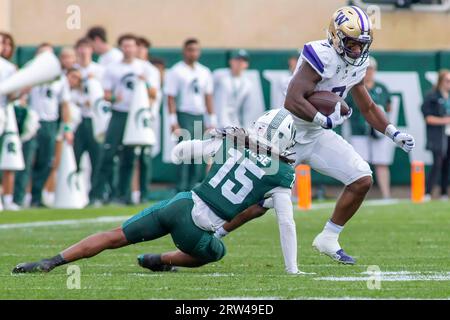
(393, 276)
(109, 219)
(38, 224)
(367, 203)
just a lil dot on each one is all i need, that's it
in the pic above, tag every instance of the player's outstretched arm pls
(374, 115)
(195, 150)
(255, 211)
(302, 86)
(377, 119)
(288, 234)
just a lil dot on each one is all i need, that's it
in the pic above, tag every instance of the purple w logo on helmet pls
(340, 18)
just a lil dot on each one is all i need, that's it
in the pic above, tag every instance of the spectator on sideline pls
(8, 46)
(446, 162)
(434, 109)
(67, 58)
(7, 69)
(280, 84)
(143, 171)
(107, 54)
(45, 100)
(371, 145)
(189, 89)
(118, 83)
(85, 140)
(232, 90)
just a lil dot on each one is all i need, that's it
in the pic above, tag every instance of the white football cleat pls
(328, 244)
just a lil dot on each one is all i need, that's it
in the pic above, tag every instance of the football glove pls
(402, 139)
(333, 120)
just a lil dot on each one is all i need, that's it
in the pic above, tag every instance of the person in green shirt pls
(435, 113)
(373, 146)
(247, 168)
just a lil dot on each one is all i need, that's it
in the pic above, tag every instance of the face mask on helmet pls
(351, 56)
(279, 136)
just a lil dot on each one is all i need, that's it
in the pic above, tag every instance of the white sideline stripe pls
(367, 203)
(390, 276)
(62, 222)
(123, 218)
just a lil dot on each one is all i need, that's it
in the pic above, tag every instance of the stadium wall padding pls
(418, 69)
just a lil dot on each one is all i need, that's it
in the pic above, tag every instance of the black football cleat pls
(153, 262)
(34, 267)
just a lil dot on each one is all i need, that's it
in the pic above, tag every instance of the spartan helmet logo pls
(142, 118)
(128, 81)
(102, 107)
(85, 87)
(195, 86)
(11, 147)
(49, 93)
(73, 182)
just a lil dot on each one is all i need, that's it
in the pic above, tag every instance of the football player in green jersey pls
(247, 167)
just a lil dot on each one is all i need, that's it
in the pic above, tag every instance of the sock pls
(57, 260)
(333, 228)
(7, 199)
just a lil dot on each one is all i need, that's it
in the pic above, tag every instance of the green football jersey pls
(240, 178)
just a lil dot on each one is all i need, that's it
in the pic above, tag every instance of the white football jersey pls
(337, 76)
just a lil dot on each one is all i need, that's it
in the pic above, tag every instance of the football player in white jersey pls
(337, 64)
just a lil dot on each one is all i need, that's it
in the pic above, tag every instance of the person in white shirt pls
(189, 88)
(107, 54)
(46, 99)
(67, 58)
(143, 175)
(84, 135)
(232, 90)
(118, 81)
(7, 69)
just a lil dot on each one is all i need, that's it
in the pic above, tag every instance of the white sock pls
(135, 197)
(331, 227)
(27, 200)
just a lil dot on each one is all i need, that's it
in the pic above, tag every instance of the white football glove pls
(333, 120)
(402, 139)
(267, 203)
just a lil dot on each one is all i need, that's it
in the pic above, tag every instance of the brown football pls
(325, 101)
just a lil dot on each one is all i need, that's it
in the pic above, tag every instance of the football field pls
(409, 245)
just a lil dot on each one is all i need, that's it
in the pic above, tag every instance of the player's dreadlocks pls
(241, 137)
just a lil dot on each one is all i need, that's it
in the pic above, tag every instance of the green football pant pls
(22, 177)
(45, 152)
(190, 174)
(112, 146)
(145, 170)
(174, 216)
(85, 142)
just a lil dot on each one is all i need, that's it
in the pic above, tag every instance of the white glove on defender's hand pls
(333, 120)
(402, 139)
(266, 203)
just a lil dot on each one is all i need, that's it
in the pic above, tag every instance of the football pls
(325, 101)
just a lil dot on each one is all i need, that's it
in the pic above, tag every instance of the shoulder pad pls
(319, 54)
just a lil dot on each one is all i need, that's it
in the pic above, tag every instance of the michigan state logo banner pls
(138, 129)
(70, 189)
(11, 156)
(100, 107)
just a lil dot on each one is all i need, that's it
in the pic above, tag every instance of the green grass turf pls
(400, 237)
